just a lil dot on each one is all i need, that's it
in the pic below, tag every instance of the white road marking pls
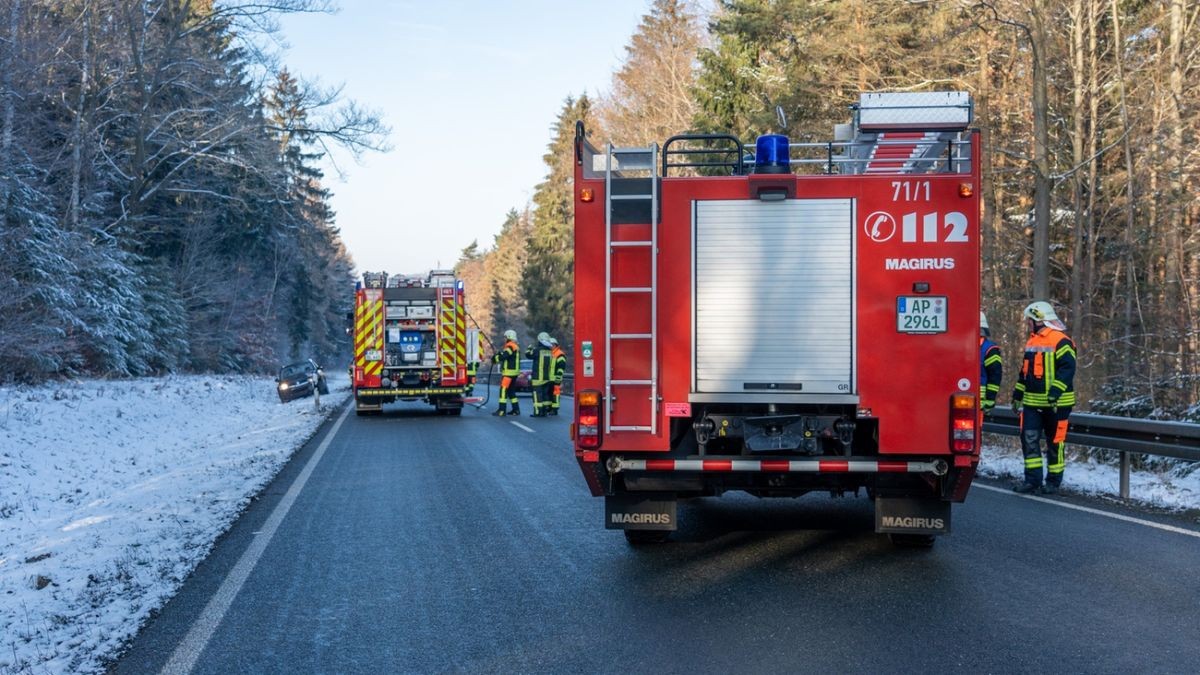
(522, 426)
(184, 658)
(1098, 512)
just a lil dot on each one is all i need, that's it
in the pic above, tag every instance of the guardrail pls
(1124, 434)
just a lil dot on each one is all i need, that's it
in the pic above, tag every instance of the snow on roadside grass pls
(111, 492)
(1175, 487)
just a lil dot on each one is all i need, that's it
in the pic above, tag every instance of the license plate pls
(921, 314)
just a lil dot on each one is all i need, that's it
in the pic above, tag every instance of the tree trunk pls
(989, 229)
(1179, 318)
(1041, 155)
(6, 136)
(1130, 192)
(1078, 157)
(78, 124)
(1084, 326)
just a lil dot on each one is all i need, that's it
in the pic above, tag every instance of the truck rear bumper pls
(413, 391)
(938, 467)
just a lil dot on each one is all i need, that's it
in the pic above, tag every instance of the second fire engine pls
(411, 341)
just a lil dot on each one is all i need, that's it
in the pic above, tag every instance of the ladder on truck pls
(621, 160)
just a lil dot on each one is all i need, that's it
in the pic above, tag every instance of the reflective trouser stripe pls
(538, 399)
(1058, 448)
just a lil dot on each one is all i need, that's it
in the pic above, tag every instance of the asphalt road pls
(428, 544)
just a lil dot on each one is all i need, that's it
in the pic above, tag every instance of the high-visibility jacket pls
(1047, 371)
(509, 359)
(543, 363)
(560, 363)
(991, 370)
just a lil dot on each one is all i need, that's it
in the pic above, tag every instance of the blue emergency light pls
(771, 154)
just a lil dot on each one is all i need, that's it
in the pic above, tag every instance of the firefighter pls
(991, 368)
(1045, 389)
(559, 370)
(509, 358)
(541, 379)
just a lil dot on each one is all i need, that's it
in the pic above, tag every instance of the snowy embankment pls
(1175, 487)
(111, 492)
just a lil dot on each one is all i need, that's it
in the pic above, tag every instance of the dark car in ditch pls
(296, 380)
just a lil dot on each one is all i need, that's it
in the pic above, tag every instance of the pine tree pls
(549, 277)
(504, 271)
(314, 273)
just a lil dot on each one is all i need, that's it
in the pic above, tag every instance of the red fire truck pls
(410, 341)
(782, 318)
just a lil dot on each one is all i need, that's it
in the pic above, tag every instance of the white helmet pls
(544, 338)
(553, 342)
(510, 335)
(983, 324)
(1043, 312)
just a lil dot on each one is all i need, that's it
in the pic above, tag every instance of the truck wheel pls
(642, 537)
(912, 540)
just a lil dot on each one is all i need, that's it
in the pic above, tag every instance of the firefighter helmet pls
(1043, 312)
(553, 341)
(510, 335)
(983, 324)
(1040, 311)
(544, 338)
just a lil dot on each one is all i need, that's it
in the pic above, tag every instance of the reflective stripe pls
(777, 465)
(368, 330)
(1060, 460)
(447, 323)
(1033, 462)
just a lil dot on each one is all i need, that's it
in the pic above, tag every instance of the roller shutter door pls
(774, 296)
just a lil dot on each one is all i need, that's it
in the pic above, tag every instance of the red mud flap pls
(639, 512)
(473, 399)
(902, 515)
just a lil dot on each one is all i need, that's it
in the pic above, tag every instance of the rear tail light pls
(587, 419)
(962, 423)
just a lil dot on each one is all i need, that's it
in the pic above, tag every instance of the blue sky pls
(470, 89)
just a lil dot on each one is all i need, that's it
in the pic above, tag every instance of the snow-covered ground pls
(1175, 486)
(111, 492)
